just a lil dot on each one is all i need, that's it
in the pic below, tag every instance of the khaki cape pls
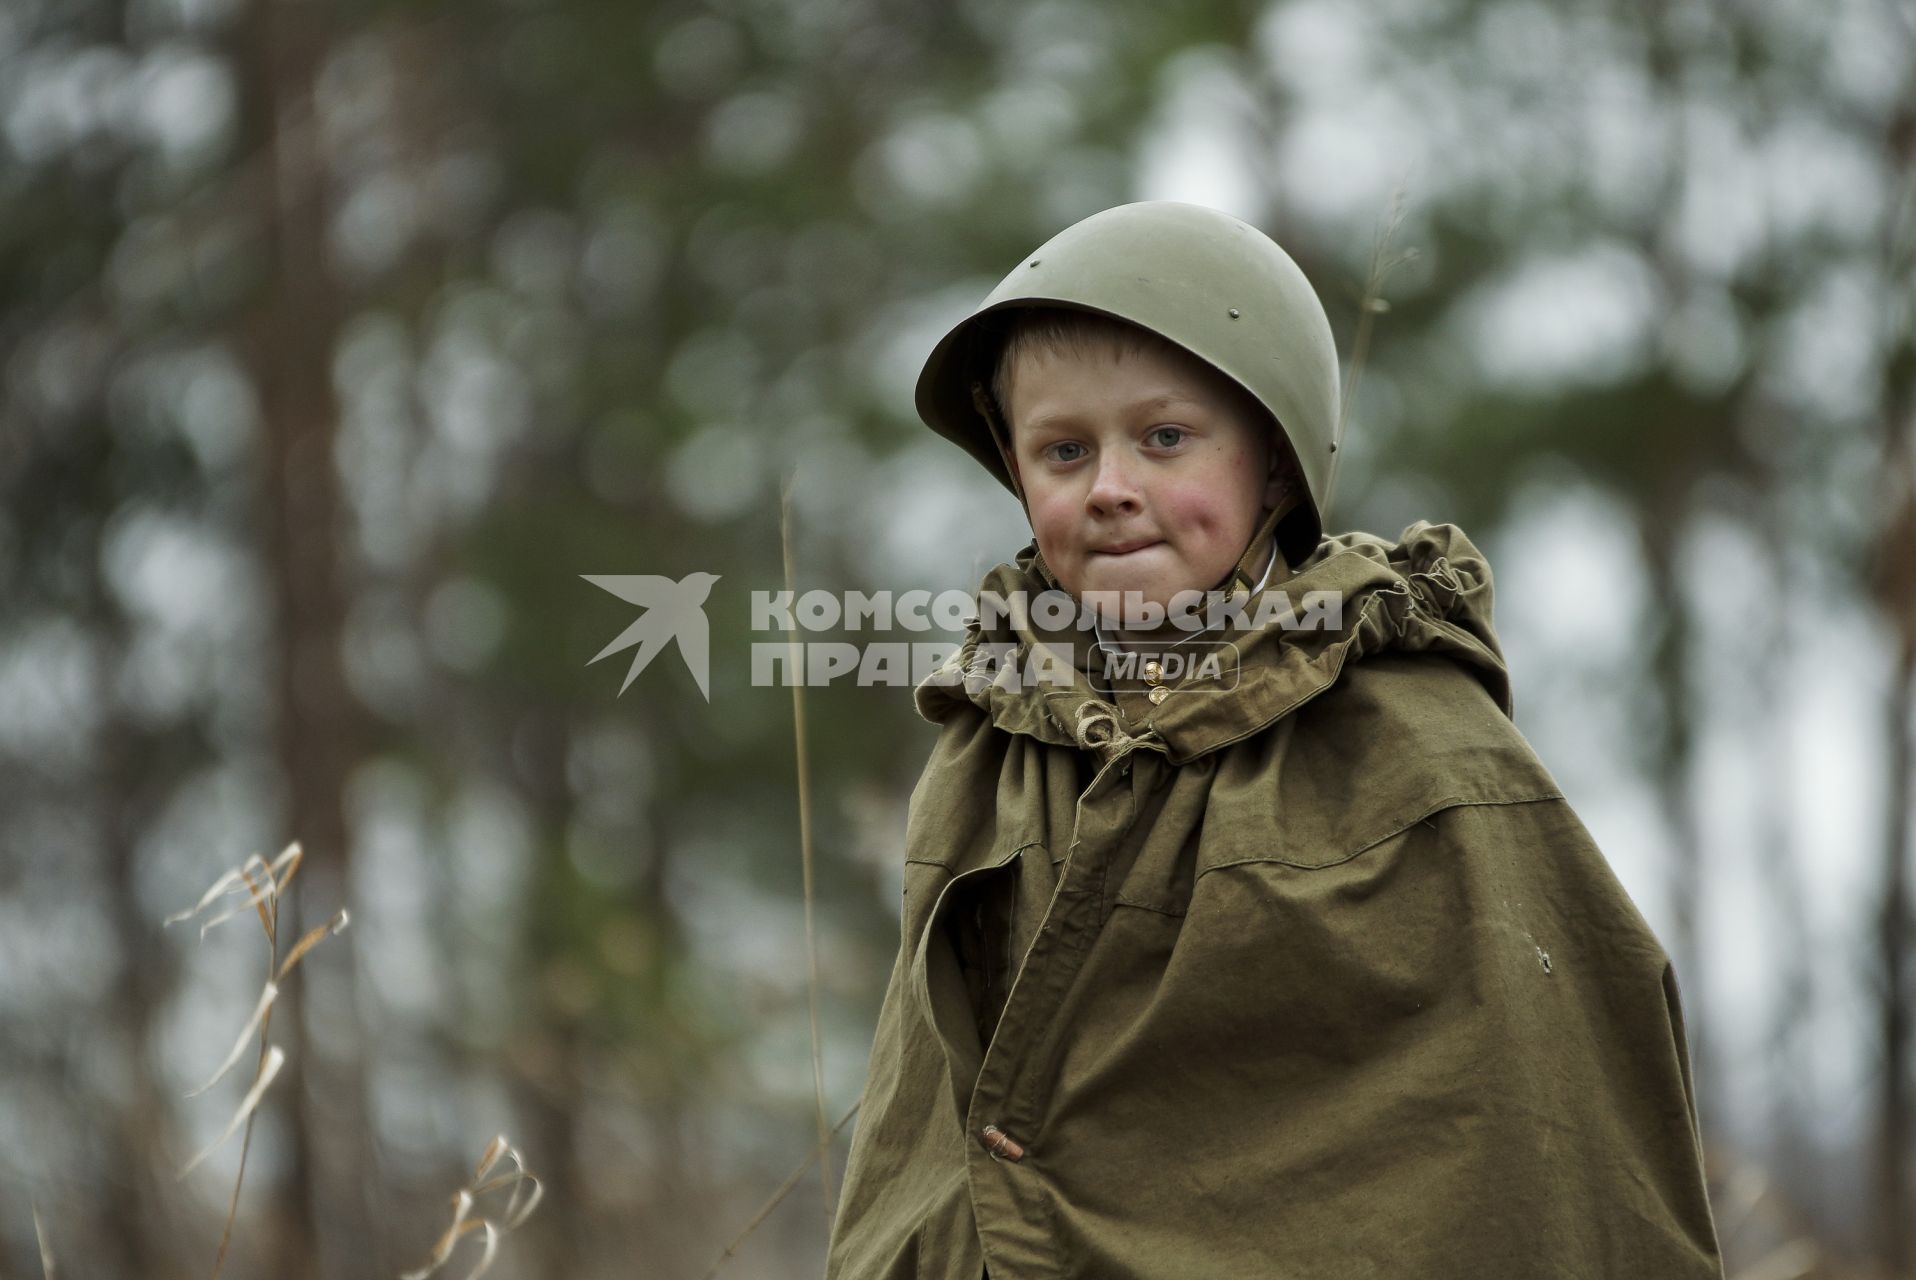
(1320, 977)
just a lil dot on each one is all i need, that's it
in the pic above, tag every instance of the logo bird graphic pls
(673, 611)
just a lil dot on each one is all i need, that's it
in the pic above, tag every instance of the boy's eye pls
(1060, 451)
(1166, 437)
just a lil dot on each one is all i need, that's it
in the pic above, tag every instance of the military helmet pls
(1211, 283)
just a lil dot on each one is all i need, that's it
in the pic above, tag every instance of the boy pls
(1299, 965)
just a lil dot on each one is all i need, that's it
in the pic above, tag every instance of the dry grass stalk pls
(269, 1069)
(805, 858)
(1751, 1201)
(525, 1197)
(1371, 305)
(1738, 1204)
(1792, 1260)
(821, 1150)
(259, 886)
(40, 1238)
(784, 1189)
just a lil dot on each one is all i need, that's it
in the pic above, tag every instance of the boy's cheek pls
(1217, 509)
(1058, 555)
(1210, 537)
(1052, 525)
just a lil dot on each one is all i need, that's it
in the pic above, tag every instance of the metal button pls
(1153, 671)
(1158, 695)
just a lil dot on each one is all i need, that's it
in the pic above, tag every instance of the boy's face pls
(1147, 474)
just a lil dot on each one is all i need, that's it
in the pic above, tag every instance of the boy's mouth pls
(1125, 548)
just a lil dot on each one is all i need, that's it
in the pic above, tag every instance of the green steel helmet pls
(1200, 278)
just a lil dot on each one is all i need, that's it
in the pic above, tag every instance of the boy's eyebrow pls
(1065, 417)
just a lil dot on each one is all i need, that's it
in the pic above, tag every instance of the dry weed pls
(824, 1148)
(784, 1189)
(465, 1221)
(260, 886)
(40, 1238)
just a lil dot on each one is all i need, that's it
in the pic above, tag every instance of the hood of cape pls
(1429, 591)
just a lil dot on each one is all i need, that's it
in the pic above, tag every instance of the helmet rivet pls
(1233, 313)
(1034, 262)
(1333, 446)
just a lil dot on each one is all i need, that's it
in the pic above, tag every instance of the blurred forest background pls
(338, 339)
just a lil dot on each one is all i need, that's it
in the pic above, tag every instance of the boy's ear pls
(1276, 481)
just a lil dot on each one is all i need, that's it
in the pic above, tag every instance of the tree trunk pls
(320, 731)
(1895, 589)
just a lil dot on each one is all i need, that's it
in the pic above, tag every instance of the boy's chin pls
(1112, 599)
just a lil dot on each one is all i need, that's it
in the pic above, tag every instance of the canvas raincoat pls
(1319, 977)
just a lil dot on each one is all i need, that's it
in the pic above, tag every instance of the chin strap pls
(1000, 435)
(1244, 577)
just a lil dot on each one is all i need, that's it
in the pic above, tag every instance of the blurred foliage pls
(339, 340)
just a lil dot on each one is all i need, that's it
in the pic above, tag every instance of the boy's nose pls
(1112, 488)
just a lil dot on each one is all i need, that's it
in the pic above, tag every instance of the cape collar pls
(1429, 592)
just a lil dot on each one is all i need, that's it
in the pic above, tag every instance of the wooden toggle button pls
(1000, 1144)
